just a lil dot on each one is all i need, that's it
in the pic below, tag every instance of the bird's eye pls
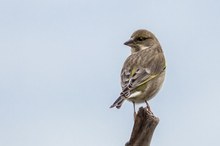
(141, 38)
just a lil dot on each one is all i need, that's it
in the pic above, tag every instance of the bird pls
(143, 72)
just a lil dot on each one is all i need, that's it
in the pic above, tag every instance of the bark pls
(143, 129)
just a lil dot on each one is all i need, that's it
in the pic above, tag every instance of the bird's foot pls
(148, 108)
(135, 114)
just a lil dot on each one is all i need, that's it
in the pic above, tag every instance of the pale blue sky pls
(60, 62)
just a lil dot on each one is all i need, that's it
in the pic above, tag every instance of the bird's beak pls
(129, 42)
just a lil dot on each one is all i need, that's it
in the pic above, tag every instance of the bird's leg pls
(134, 110)
(148, 107)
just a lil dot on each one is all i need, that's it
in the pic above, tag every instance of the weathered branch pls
(143, 129)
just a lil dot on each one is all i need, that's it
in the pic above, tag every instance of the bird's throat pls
(139, 48)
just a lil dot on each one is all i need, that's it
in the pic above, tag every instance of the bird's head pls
(140, 40)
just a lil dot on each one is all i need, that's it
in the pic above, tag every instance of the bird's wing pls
(132, 78)
(138, 75)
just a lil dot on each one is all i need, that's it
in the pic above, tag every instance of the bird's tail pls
(118, 102)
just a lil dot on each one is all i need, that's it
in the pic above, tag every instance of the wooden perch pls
(143, 129)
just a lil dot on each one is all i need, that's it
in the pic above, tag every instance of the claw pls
(148, 108)
(134, 111)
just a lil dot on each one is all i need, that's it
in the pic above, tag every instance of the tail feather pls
(118, 102)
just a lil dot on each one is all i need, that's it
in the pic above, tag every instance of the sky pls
(60, 64)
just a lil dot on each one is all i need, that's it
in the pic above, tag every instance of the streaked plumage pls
(144, 70)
